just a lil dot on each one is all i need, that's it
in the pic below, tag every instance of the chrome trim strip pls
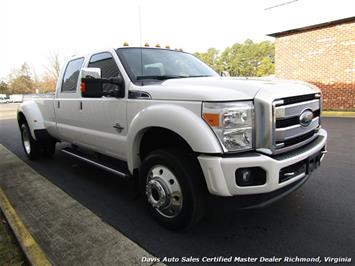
(296, 109)
(279, 145)
(96, 164)
(264, 122)
(278, 102)
(299, 144)
(289, 174)
(290, 132)
(322, 156)
(300, 175)
(134, 94)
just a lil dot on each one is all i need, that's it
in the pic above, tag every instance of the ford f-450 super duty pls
(167, 119)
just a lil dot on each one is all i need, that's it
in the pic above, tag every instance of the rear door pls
(103, 120)
(67, 102)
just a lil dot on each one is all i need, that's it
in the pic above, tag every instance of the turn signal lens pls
(82, 87)
(211, 119)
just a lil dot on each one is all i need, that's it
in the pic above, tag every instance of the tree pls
(21, 81)
(46, 84)
(53, 67)
(4, 88)
(210, 58)
(250, 59)
(242, 59)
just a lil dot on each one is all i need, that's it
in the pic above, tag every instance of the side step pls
(106, 163)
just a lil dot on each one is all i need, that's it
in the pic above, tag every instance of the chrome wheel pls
(163, 191)
(26, 139)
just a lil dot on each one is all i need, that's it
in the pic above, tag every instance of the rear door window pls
(71, 75)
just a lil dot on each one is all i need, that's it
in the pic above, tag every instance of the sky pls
(32, 31)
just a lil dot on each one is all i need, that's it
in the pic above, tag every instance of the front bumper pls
(219, 172)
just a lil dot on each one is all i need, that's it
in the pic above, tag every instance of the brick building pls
(322, 54)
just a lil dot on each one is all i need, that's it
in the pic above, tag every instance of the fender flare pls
(180, 120)
(33, 116)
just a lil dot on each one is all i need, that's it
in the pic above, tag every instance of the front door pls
(103, 120)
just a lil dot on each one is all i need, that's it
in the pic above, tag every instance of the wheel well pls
(40, 135)
(155, 138)
(21, 118)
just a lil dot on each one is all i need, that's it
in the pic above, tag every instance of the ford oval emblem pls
(306, 118)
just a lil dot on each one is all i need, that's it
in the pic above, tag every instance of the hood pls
(224, 88)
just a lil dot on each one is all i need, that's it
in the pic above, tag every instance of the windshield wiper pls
(161, 77)
(199, 76)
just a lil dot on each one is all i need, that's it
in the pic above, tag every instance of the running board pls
(118, 168)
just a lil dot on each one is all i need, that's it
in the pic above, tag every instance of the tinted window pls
(106, 63)
(71, 75)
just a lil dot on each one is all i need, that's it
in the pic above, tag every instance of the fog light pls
(246, 174)
(254, 176)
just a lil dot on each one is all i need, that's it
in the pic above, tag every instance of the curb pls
(66, 232)
(29, 246)
(338, 114)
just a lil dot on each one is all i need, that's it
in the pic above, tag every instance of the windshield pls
(154, 64)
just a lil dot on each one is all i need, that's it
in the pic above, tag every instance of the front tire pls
(31, 147)
(174, 188)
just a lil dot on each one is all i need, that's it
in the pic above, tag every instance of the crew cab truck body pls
(165, 117)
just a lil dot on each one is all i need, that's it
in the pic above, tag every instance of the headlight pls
(232, 123)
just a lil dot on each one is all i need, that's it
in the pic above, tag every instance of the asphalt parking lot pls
(316, 220)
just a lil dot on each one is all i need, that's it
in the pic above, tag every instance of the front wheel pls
(174, 188)
(31, 147)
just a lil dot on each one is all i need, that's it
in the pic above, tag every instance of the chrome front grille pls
(289, 133)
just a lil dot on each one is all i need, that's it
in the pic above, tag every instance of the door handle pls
(118, 127)
(81, 105)
(58, 104)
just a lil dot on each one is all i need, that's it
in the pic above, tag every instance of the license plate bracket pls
(313, 162)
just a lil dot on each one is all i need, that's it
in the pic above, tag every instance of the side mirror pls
(98, 87)
(90, 72)
(93, 86)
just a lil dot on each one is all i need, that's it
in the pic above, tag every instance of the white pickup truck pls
(167, 119)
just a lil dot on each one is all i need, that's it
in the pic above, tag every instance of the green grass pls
(10, 253)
